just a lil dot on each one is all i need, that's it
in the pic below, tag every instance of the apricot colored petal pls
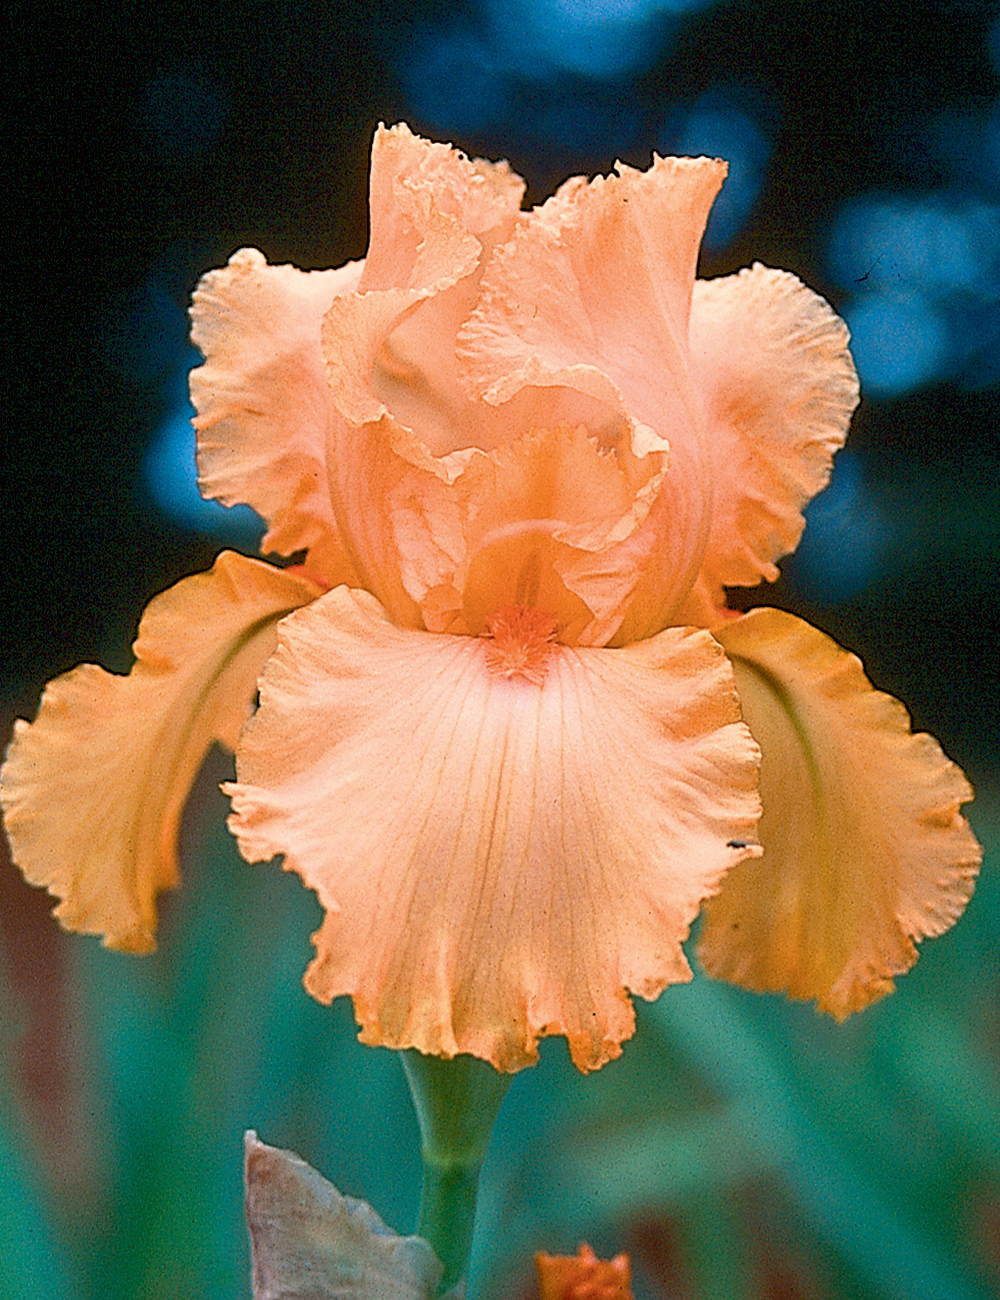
(553, 501)
(498, 860)
(772, 367)
(374, 463)
(594, 287)
(408, 173)
(93, 789)
(865, 850)
(593, 292)
(434, 216)
(263, 403)
(308, 1242)
(583, 1276)
(428, 204)
(398, 512)
(431, 536)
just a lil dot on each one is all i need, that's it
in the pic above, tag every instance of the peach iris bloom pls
(501, 735)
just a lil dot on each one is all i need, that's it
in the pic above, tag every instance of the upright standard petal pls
(770, 362)
(593, 292)
(309, 1242)
(499, 858)
(544, 522)
(93, 789)
(431, 210)
(263, 403)
(407, 174)
(865, 850)
(422, 252)
(443, 542)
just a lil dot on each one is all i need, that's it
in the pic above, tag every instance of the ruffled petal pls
(409, 176)
(440, 540)
(593, 292)
(309, 1242)
(498, 859)
(426, 201)
(865, 850)
(397, 511)
(584, 1277)
(403, 447)
(543, 523)
(432, 213)
(771, 365)
(263, 403)
(93, 789)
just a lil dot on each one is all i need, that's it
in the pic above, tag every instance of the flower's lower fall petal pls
(865, 850)
(770, 362)
(263, 402)
(498, 859)
(93, 789)
(310, 1243)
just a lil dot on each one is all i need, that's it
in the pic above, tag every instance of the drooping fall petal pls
(498, 859)
(594, 293)
(93, 789)
(770, 361)
(308, 1242)
(263, 402)
(865, 850)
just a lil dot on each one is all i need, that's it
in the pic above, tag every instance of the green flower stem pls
(456, 1102)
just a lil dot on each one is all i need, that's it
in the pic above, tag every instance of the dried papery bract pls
(307, 1240)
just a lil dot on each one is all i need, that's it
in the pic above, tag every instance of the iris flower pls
(507, 729)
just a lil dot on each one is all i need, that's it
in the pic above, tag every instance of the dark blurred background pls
(147, 143)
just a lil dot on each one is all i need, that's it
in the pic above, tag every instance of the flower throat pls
(520, 641)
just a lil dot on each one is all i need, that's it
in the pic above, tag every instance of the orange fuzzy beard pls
(520, 642)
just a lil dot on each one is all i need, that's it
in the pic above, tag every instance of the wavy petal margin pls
(263, 403)
(308, 1242)
(409, 175)
(431, 210)
(771, 365)
(865, 850)
(424, 260)
(531, 523)
(573, 1277)
(93, 789)
(593, 292)
(498, 860)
